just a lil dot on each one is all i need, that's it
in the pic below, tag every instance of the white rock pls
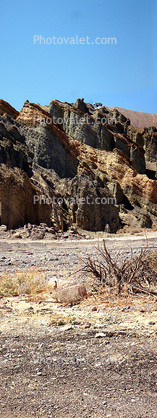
(66, 327)
(100, 335)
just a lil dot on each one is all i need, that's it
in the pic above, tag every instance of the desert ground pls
(94, 359)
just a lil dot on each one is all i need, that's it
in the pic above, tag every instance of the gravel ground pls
(93, 363)
(54, 372)
(63, 256)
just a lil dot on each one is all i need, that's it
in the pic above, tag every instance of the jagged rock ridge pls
(81, 163)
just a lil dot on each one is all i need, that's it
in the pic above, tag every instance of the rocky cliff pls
(71, 164)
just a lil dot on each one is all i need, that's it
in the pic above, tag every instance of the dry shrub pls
(22, 283)
(58, 319)
(134, 274)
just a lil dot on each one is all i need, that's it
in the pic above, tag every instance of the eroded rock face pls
(87, 159)
(62, 118)
(16, 195)
(145, 221)
(7, 109)
(48, 142)
(13, 149)
(136, 134)
(88, 203)
(150, 144)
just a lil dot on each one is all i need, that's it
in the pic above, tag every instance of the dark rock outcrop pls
(13, 149)
(83, 161)
(150, 144)
(16, 196)
(87, 203)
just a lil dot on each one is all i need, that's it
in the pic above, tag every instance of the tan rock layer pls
(16, 195)
(138, 188)
(7, 109)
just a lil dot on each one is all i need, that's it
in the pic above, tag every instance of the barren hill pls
(138, 119)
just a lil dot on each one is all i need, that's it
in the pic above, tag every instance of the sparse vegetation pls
(124, 274)
(121, 274)
(22, 283)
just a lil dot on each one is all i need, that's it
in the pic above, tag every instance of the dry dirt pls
(60, 361)
(138, 119)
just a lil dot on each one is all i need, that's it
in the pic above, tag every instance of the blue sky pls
(122, 74)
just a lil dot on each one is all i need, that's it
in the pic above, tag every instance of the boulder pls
(70, 294)
(145, 220)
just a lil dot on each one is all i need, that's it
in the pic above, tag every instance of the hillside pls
(73, 166)
(138, 119)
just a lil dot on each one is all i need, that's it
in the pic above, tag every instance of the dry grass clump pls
(58, 320)
(61, 318)
(134, 274)
(22, 283)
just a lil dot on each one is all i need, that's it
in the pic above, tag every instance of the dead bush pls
(130, 274)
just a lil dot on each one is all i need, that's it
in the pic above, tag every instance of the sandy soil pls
(60, 361)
